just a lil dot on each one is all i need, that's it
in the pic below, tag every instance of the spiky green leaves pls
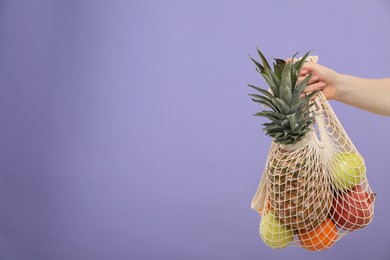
(290, 116)
(285, 87)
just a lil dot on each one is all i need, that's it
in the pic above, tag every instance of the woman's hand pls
(323, 78)
(369, 94)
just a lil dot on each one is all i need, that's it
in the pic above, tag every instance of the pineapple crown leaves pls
(290, 115)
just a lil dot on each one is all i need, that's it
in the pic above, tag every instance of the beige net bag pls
(314, 192)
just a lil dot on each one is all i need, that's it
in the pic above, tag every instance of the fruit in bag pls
(354, 209)
(323, 237)
(348, 170)
(274, 233)
(297, 188)
(314, 188)
(295, 176)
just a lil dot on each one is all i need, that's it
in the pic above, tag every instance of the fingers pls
(312, 98)
(314, 87)
(310, 66)
(316, 82)
(303, 72)
(315, 78)
(311, 88)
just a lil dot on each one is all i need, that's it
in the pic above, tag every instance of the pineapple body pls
(298, 189)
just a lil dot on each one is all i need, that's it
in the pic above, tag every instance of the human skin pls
(372, 95)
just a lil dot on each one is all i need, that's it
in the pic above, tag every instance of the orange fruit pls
(322, 237)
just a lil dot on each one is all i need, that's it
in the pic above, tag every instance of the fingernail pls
(321, 85)
(303, 72)
(316, 78)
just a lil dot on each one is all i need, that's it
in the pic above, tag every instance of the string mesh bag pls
(313, 191)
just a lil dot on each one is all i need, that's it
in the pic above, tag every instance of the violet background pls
(127, 133)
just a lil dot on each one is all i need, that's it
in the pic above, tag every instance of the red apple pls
(353, 209)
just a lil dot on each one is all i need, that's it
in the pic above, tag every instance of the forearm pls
(369, 94)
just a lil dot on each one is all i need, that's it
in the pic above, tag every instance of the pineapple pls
(298, 188)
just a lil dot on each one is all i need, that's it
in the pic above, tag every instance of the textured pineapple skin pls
(298, 188)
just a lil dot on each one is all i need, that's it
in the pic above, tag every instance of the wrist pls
(341, 87)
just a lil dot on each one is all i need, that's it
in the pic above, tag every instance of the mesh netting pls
(314, 192)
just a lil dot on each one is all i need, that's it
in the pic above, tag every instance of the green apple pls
(348, 170)
(274, 233)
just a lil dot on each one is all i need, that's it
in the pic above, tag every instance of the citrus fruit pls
(321, 237)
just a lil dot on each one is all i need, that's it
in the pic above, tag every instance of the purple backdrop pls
(127, 133)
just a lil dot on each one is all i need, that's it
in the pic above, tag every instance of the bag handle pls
(319, 119)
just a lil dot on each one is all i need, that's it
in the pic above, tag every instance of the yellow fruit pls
(274, 233)
(348, 170)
